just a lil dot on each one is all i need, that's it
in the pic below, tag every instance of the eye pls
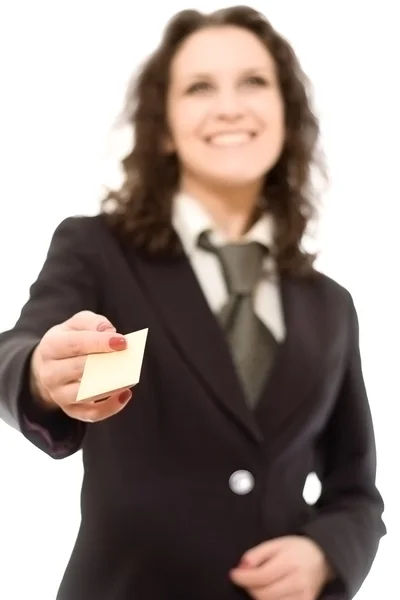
(199, 88)
(257, 81)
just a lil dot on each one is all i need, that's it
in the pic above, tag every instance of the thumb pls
(261, 553)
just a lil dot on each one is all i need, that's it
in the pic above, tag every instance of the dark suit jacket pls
(159, 519)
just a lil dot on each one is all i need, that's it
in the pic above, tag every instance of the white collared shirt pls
(190, 219)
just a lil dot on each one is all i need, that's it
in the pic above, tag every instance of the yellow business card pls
(107, 373)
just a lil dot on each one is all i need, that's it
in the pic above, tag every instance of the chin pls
(237, 173)
(236, 179)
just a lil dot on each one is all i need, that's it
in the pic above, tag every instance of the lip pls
(230, 139)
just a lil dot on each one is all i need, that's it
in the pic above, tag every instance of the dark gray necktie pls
(252, 345)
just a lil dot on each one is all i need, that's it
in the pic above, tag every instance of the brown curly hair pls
(141, 209)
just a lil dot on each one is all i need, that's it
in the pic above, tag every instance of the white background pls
(64, 66)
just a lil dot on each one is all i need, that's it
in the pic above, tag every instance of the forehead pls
(216, 50)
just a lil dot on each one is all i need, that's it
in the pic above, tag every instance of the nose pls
(228, 106)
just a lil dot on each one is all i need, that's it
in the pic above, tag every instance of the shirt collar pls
(190, 219)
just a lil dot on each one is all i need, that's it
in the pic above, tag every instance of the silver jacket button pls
(241, 482)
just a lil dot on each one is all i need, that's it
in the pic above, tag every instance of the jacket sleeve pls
(65, 286)
(348, 522)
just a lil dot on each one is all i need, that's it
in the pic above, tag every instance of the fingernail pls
(105, 326)
(125, 396)
(244, 563)
(117, 343)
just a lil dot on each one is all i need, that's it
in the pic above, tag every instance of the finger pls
(87, 321)
(69, 344)
(65, 395)
(267, 574)
(284, 589)
(99, 411)
(60, 372)
(261, 553)
(262, 594)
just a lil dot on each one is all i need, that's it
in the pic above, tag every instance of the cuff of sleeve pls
(327, 533)
(52, 431)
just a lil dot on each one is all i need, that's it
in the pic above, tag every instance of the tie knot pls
(241, 263)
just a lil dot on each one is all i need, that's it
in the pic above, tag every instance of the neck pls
(232, 209)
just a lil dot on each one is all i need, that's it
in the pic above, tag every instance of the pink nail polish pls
(124, 397)
(117, 343)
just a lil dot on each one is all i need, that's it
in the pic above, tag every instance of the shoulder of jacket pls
(84, 225)
(331, 289)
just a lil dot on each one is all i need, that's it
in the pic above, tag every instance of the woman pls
(251, 377)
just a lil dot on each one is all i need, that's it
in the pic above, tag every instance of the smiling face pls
(225, 108)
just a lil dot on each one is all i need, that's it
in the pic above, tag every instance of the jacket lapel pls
(173, 289)
(286, 401)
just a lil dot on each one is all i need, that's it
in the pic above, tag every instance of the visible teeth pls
(230, 139)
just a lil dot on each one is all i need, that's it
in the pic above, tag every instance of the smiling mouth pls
(228, 140)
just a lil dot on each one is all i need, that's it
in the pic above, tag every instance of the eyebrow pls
(249, 71)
